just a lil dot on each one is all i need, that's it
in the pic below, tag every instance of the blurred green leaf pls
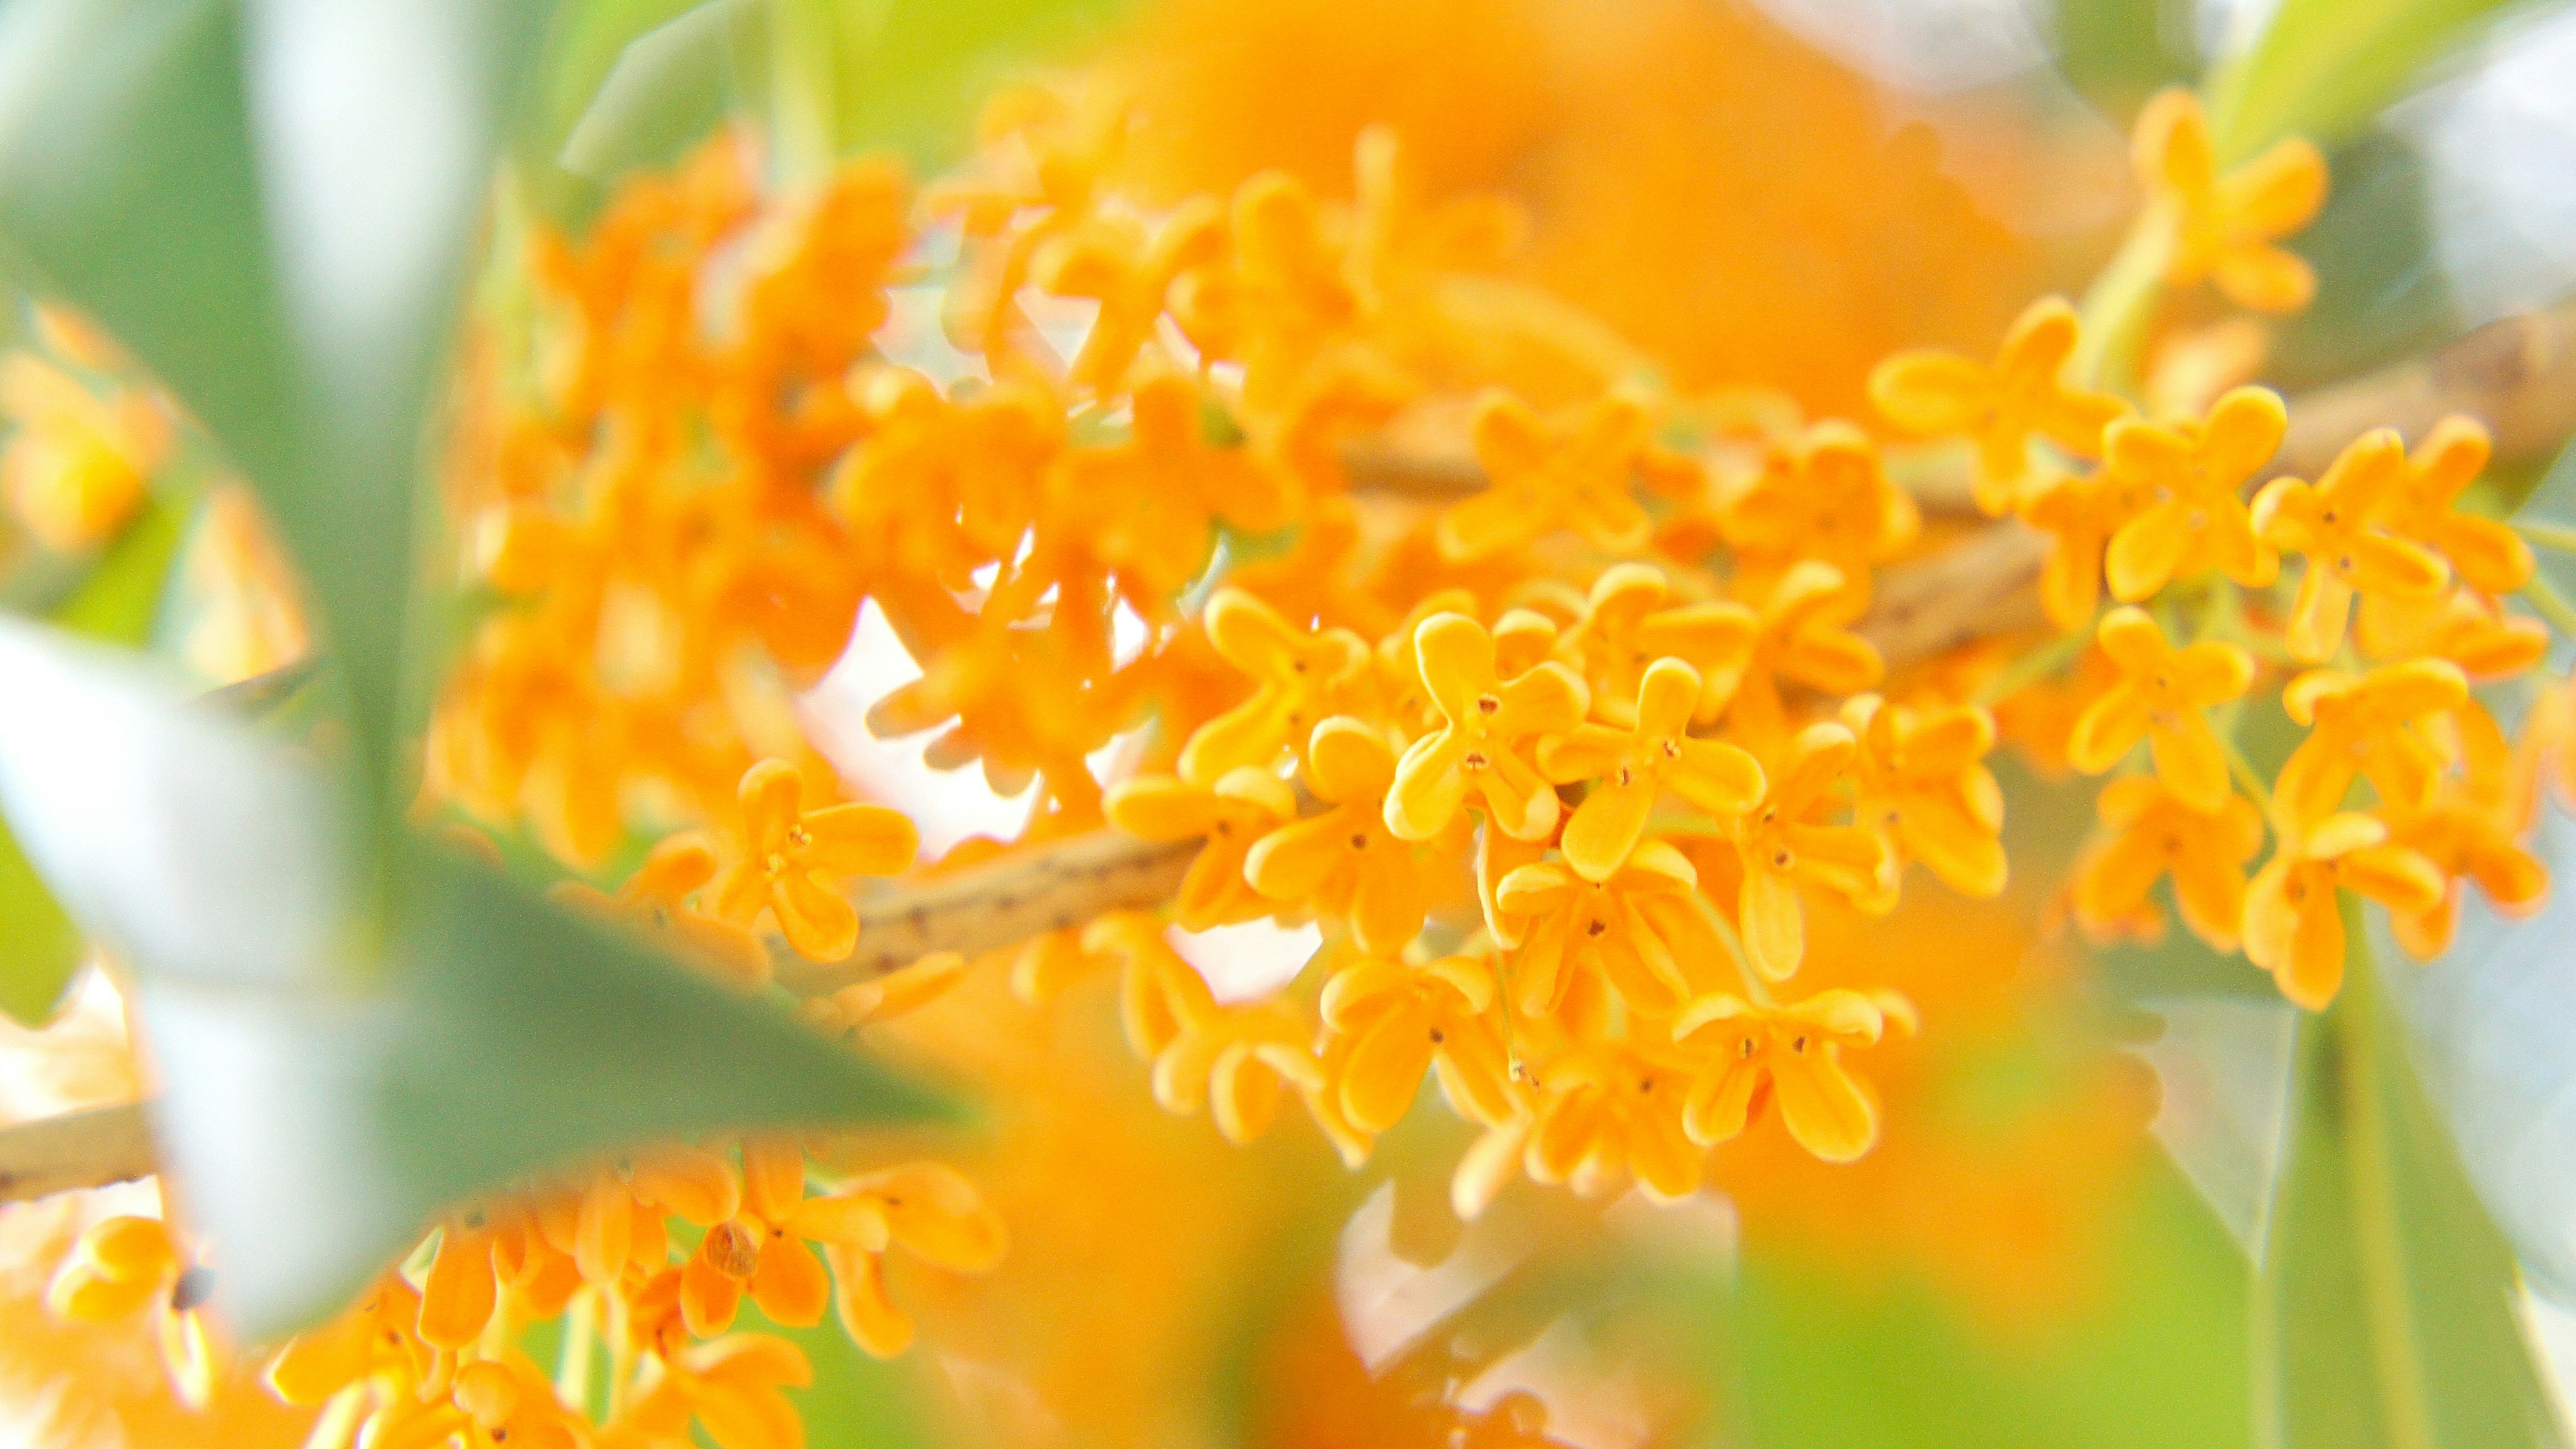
(2323, 68)
(2223, 1073)
(322, 1114)
(668, 89)
(912, 73)
(40, 948)
(2386, 1311)
(268, 202)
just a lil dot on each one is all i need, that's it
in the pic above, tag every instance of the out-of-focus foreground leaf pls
(268, 202)
(321, 1114)
(2387, 1311)
(2323, 68)
(40, 948)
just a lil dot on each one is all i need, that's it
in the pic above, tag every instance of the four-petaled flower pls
(1920, 783)
(2294, 911)
(2158, 833)
(1231, 815)
(2488, 554)
(1614, 1114)
(2224, 227)
(926, 1208)
(1488, 728)
(2023, 395)
(1794, 1051)
(1631, 618)
(2159, 698)
(1145, 506)
(2466, 839)
(2081, 514)
(1641, 932)
(2366, 724)
(1403, 1020)
(1801, 639)
(1630, 767)
(1824, 497)
(655, 899)
(2334, 522)
(2187, 476)
(1345, 862)
(1573, 474)
(793, 859)
(1295, 675)
(1783, 846)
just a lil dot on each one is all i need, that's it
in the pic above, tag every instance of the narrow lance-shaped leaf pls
(333, 1080)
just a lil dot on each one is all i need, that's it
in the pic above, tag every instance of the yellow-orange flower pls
(1783, 847)
(2333, 522)
(1232, 816)
(1489, 727)
(1802, 639)
(2023, 395)
(1145, 506)
(2080, 513)
(732, 1385)
(1631, 767)
(793, 859)
(1920, 783)
(2466, 839)
(2188, 475)
(1572, 474)
(655, 899)
(929, 1210)
(2293, 911)
(1796, 1051)
(77, 468)
(1345, 863)
(2366, 725)
(124, 1265)
(2224, 227)
(1126, 266)
(2158, 833)
(2423, 506)
(1632, 618)
(1403, 1020)
(1640, 931)
(1295, 675)
(1614, 1115)
(2159, 698)
(1824, 497)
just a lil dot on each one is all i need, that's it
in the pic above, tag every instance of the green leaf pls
(2386, 1313)
(2323, 68)
(40, 948)
(336, 1079)
(668, 89)
(269, 204)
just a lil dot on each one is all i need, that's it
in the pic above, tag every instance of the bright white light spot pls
(1928, 47)
(2498, 145)
(1064, 322)
(1250, 961)
(913, 337)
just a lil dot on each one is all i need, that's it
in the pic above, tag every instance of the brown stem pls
(92, 1147)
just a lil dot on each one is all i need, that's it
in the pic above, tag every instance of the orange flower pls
(2224, 226)
(1344, 863)
(731, 1385)
(507, 1402)
(2293, 912)
(76, 470)
(655, 900)
(1488, 727)
(2332, 522)
(1232, 815)
(1631, 619)
(1825, 497)
(122, 1266)
(1631, 767)
(1802, 640)
(2466, 840)
(793, 860)
(1640, 930)
(1234, 1060)
(758, 1247)
(1279, 302)
(899, 992)
(1402, 1021)
(2159, 698)
(2366, 724)
(1782, 847)
(2158, 833)
(2488, 554)
(1127, 267)
(2464, 626)
(1571, 474)
(2080, 514)
(1795, 1051)
(1295, 676)
(1614, 1115)
(2002, 407)
(374, 1337)
(931, 1211)
(1920, 783)
(2189, 475)
(1145, 505)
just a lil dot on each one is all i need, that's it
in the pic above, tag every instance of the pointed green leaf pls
(2323, 68)
(40, 948)
(334, 1080)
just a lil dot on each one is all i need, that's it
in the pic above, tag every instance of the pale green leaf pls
(2323, 68)
(40, 948)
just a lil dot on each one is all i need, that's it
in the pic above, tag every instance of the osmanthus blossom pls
(1296, 677)
(1231, 816)
(790, 858)
(1401, 1021)
(2424, 505)
(2294, 924)
(1345, 861)
(2334, 522)
(1785, 848)
(2156, 834)
(2003, 407)
(2225, 226)
(1792, 1055)
(1490, 728)
(1825, 496)
(1640, 931)
(2189, 475)
(1571, 474)
(1632, 618)
(2162, 696)
(1633, 766)
(2373, 724)
(1921, 785)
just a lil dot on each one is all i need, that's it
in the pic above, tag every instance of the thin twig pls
(92, 1147)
